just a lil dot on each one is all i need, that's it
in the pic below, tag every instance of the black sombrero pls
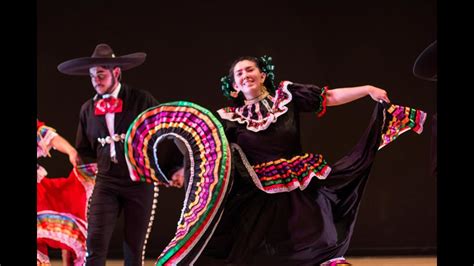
(425, 66)
(103, 55)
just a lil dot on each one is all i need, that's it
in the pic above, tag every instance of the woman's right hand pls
(378, 94)
(74, 158)
(177, 180)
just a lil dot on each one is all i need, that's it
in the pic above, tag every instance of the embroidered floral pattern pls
(258, 116)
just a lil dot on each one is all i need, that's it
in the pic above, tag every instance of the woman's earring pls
(234, 94)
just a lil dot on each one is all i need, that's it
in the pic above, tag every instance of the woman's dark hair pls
(263, 63)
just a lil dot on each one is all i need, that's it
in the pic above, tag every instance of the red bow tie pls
(108, 105)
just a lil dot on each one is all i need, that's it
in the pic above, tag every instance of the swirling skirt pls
(61, 213)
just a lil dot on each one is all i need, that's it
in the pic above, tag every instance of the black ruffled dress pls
(288, 207)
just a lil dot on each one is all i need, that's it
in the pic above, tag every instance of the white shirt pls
(110, 120)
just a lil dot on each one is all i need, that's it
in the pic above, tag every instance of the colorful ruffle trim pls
(64, 229)
(209, 170)
(400, 119)
(286, 175)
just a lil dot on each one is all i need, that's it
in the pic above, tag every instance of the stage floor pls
(356, 261)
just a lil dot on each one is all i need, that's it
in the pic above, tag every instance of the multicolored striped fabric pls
(63, 231)
(42, 130)
(285, 175)
(209, 170)
(86, 174)
(44, 136)
(399, 119)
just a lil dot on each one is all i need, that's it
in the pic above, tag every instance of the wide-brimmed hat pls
(103, 55)
(425, 66)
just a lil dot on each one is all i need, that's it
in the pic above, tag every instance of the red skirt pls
(62, 213)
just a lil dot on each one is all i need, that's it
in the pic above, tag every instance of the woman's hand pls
(177, 180)
(74, 158)
(378, 94)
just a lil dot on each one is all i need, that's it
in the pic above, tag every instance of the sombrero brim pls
(425, 66)
(80, 66)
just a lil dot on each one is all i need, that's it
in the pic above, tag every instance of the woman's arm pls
(345, 95)
(65, 147)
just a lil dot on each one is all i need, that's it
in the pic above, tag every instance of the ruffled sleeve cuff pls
(322, 107)
(307, 97)
(44, 135)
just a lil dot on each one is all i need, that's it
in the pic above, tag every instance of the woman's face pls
(248, 78)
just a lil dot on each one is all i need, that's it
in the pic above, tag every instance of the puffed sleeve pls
(307, 97)
(44, 135)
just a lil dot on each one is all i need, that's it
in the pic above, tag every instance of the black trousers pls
(108, 200)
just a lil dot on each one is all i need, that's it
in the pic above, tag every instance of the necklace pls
(257, 99)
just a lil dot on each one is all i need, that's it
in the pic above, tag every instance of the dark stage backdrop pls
(190, 45)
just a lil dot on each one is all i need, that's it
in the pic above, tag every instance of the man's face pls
(104, 80)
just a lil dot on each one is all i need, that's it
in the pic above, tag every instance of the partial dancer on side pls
(61, 202)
